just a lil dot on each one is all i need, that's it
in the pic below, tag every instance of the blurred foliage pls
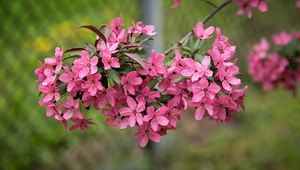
(265, 136)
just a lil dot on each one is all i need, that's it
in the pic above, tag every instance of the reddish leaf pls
(136, 58)
(74, 49)
(95, 30)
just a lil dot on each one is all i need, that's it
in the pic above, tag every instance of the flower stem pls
(206, 19)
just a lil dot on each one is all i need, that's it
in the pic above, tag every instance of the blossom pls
(196, 70)
(132, 113)
(175, 3)
(70, 78)
(85, 65)
(130, 81)
(93, 84)
(202, 33)
(298, 3)
(145, 133)
(245, 7)
(282, 38)
(154, 66)
(82, 124)
(261, 4)
(107, 50)
(203, 89)
(138, 28)
(57, 60)
(50, 92)
(229, 78)
(156, 118)
(71, 108)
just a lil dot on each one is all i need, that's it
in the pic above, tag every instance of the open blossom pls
(203, 89)
(107, 50)
(82, 124)
(138, 28)
(229, 78)
(146, 133)
(202, 33)
(71, 108)
(282, 38)
(56, 61)
(85, 65)
(156, 118)
(130, 81)
(92, 85)
(196, 70)
(132, 113)
(70, 78)
(154, 66)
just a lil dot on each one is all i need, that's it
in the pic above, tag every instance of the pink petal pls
(131, 103)
(199, 114)
(140, 107)
(197, 97)
(125, 111)
(162, 120)
(147, 118)
(143, 141)
(139, 118)
(226, 85)
(123, 123)
(154, 125)
(131, 121)
(94, 61)
(234, 81)
(154, 137)
(195, 77)
(187, 73)
(84, 72)
(206, 61)
(68, 114)
(263, 6)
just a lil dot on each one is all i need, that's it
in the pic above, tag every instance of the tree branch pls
(206, 19)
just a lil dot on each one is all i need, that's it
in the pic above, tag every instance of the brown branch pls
(205, 20)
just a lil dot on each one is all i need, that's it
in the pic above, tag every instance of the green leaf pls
(114, 76)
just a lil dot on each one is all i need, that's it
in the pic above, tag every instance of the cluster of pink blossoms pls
(130, 91)
(277, 64)
(246, 6)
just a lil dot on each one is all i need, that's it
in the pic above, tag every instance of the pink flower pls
(107, 50)
(56, 61)
(245, 7)
(262, 48)
(156, 118)
(71, 108)
(53, 110)
(138, 28)
(85, 65)
(70, 78)
(132, 113)
(155, 65)
(148, 96)
(93, 84)
(175, 65)
(175, 3)
(229, 78)
(196, 70)
(298, 3)
(145, 133)
(202, 33)
(50, 92)
(203, 89)
(261, 4)
(282, 38)
(82, 124)
(130, 81)
(200, 111)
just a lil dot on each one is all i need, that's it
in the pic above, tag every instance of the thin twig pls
(206, 19)
(210, 3)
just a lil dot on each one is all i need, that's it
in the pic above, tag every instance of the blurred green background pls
(265, 136)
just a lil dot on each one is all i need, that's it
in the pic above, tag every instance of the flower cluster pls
(113, 76)
(246, 6)
(277, 64)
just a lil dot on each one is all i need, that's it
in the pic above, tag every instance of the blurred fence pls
(30, 30)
